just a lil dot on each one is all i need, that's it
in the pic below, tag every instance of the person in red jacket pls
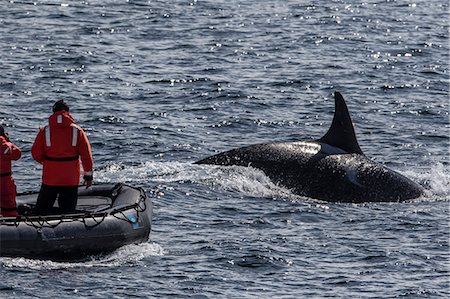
(59, 147)
(9, 152)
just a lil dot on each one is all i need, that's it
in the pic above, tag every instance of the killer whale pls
(332, 168)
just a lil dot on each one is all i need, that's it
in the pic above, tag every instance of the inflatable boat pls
(107, 217)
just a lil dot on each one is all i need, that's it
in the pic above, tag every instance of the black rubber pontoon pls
(108, 216)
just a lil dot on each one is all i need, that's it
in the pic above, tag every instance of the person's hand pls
(88, 181)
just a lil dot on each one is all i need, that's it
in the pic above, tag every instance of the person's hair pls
(2, 131)
(60, 106)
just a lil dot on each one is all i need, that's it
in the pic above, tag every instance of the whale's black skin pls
(332, 168)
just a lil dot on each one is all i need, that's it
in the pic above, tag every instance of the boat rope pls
(94, 219)
(137, 207)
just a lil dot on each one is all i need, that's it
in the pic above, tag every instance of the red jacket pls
(59, 146)
(9, 152)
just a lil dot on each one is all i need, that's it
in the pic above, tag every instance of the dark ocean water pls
(158, 85)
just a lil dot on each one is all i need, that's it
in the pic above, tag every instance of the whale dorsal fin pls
(341, 134)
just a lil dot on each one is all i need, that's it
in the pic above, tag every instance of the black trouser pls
(67, 199)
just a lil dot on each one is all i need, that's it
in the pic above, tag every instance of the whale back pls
(332, 168)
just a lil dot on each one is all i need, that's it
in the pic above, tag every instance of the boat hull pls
(100, 229)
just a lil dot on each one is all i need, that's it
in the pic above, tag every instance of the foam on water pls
(246, 180)
(435, 178)
(439, 180)
(126, 255)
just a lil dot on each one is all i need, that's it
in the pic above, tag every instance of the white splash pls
(246, 180)
(129, 254)
(435, 178)
(439, 180)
